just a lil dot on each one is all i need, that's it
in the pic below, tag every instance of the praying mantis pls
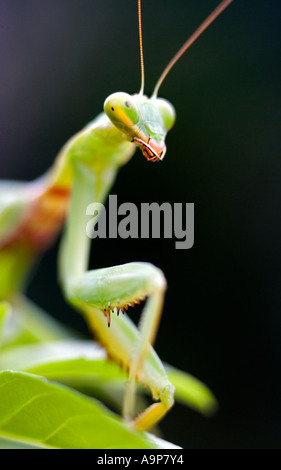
(32, 215)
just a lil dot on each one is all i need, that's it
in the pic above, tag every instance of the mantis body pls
(32, 214)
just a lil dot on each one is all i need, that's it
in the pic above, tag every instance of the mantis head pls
(144, 121)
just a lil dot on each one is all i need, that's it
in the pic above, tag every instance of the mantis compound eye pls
(121, 110)
(167, 112)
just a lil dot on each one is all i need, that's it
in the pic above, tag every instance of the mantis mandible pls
(32, 214)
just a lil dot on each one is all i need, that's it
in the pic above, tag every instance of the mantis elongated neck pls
(98, 151)
(98, 147)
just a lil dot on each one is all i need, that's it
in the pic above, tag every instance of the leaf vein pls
(20, 408)
(63, 424)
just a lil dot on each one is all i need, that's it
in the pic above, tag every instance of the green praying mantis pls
(32, 214)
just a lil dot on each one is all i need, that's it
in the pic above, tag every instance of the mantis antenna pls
(141, 48)
(217, 11)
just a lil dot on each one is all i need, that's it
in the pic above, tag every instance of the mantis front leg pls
(98, 292)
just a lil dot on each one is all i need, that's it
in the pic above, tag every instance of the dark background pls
(221, 321)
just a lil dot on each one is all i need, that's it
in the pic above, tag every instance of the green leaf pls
(191, 392)
(80, 364)
(6, 443)
(86, 362)
(39, 413)
(58, 359)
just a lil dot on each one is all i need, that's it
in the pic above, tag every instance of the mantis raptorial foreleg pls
(101, 291)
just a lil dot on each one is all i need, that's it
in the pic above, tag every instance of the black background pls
(221, 321)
